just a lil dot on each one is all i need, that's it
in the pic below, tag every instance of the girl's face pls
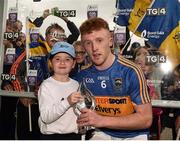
(142, 53)
(62, 63)
(140, 59)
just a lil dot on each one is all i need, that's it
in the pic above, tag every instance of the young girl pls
(57, 95)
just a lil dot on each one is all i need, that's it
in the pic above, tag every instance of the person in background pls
(57, 95)
(80, 52)
(140, 58)
(134, 46)
(118, 86)
(170, 87)
(8, 104)
(170, 90)
(81, 58)
(71, 26)
(18, 26)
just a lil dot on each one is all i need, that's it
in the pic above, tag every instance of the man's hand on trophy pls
(89, 117)
(74, 98)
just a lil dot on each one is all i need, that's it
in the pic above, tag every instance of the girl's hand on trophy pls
(74, 98)
(89, 117)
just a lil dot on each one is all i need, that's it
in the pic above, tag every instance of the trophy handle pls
(89, 97)
(88, 102)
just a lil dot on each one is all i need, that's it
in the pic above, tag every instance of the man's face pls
(54, 36)
(97, 44)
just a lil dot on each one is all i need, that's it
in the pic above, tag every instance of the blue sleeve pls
(138, 88)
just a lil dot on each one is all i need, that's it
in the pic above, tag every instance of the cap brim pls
(51, 55)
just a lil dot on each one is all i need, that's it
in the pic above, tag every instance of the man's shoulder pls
(128, 64)
(85, 71)
(86, 67)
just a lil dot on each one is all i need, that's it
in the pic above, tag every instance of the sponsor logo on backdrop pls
(149, 34)
(155, 59)
(123, 12)
(8, 77)
(156, 11)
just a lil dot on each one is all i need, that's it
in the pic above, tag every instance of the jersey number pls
(103, 84)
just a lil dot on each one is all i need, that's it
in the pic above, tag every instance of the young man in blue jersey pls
(123, 107)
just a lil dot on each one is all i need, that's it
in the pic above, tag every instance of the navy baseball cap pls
(62, 47)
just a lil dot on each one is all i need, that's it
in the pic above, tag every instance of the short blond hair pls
(77, 43)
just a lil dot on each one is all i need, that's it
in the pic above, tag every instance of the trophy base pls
(84, 129)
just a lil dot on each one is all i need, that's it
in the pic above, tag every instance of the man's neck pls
(108, 62)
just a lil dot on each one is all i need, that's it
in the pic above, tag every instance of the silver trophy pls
(88, 102)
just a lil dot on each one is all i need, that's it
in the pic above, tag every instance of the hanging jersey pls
(40, 48)
(117, 91)
(40, 64)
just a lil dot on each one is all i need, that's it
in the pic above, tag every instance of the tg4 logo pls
(155, 59)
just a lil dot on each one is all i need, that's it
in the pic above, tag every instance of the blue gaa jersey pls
(117, 91)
